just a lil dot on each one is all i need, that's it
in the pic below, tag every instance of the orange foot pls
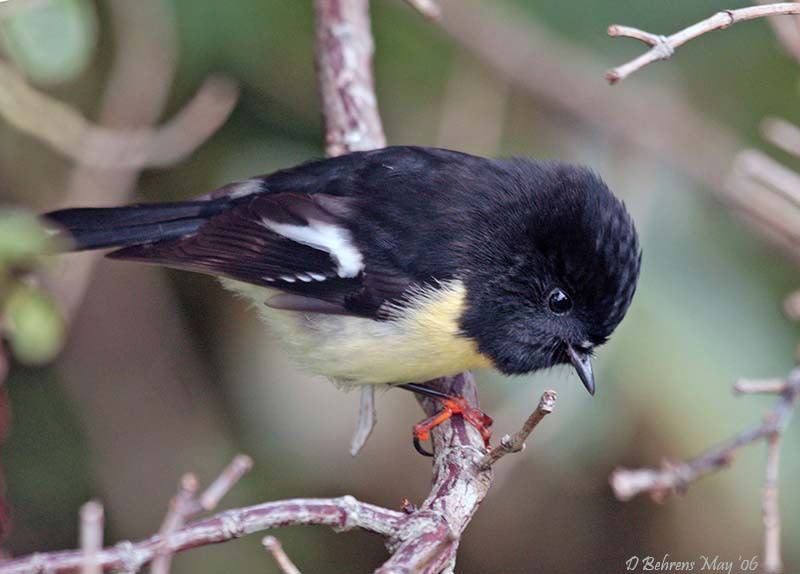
(451, 405)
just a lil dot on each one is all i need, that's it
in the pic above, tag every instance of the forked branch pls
(676, 476)
(664, 46)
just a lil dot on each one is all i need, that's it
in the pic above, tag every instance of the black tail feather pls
(97, 228)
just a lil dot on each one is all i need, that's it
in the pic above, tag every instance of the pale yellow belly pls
(419, 344)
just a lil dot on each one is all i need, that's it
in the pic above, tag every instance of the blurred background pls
(163, 372)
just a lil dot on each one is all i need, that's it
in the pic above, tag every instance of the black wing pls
(279, 240)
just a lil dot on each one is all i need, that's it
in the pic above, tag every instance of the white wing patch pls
(244, 188)
(304, 277)
(332, 239)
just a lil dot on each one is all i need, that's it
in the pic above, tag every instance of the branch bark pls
(341, 514)
(509, 444)
(274, 547)
(664, 46)
(782, 134)
(344, 65)
(675, 477)
(787, 31)
(428, 8)
(429, 539)
(66, 131)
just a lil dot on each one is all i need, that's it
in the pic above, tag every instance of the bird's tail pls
(100, 227)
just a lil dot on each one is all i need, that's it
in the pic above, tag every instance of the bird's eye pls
(559, 302)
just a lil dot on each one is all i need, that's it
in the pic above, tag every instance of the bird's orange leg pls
(451, 405)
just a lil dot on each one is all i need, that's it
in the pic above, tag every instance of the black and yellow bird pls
(403, 264)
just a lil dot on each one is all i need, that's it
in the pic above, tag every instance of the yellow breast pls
(421, 341)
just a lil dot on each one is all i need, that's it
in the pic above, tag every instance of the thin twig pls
(180, 507)
(516, 443)
(65, 130)
(274, 547)
(675, 477)
(768, 213)
(223, 484)
(91, 535)
(769, 172)
(428, 8)
(664, 46)
(787, 30)
(759, 386)
(791, 306)
(771, 509)
(782, 134)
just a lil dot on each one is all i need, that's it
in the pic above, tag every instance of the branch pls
(428, 539)
(428, 8)
(791, 306)
(344, 50)
(771, 509)
(65, 130)
(179, 511)
(91, 536)
(763, 169)
(341, 514)
(432, 532)
(782, 134)
(787, 30)
(675, 477)
(274, 547)
(224, 482)
(664, 46)
(345, 513)
(759, 386)
(516, 443)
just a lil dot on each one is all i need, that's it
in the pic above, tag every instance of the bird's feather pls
(297, 243)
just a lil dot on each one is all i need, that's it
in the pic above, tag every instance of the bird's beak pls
(582, 362)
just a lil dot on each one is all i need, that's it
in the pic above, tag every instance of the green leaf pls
(22, 237)
(51, 42)
(34, 326)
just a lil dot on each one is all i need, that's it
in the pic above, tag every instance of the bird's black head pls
(554, 266)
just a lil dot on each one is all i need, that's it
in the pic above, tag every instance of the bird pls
(404, 264)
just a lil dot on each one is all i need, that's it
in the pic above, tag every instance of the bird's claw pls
(452, 405)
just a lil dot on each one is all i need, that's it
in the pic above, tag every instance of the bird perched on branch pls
(404, 264)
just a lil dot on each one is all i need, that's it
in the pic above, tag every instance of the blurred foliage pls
(22, 239)
(30, 320)
(35, 328)
(158, 379)
(53, 43)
